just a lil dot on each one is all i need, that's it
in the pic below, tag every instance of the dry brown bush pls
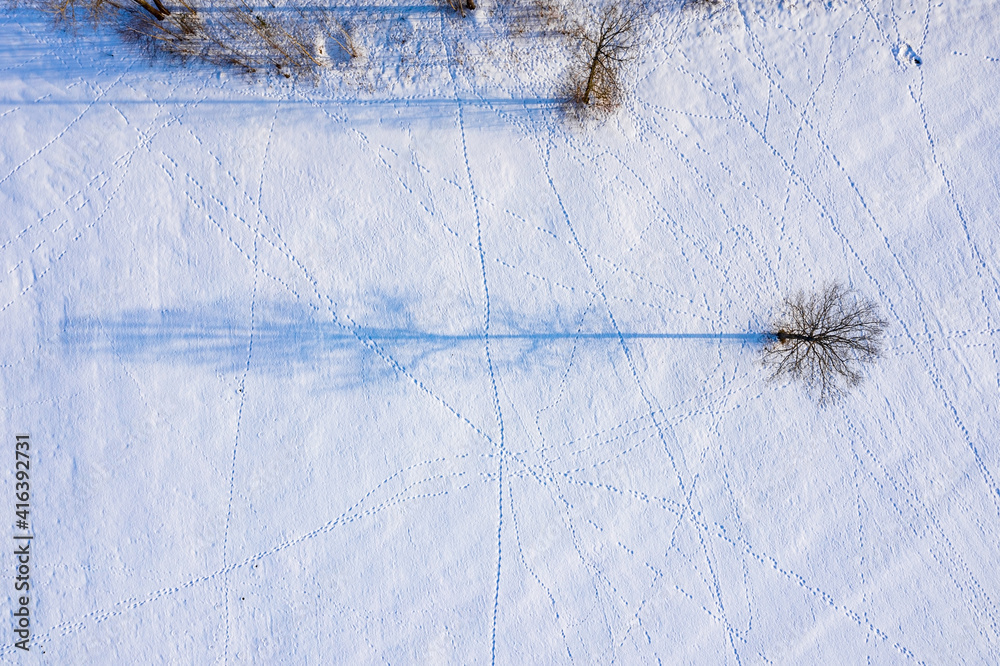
(292, 42)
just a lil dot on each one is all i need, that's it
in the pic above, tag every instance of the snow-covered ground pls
(424, 374)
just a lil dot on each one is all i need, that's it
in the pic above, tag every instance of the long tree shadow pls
(74, 48)
(285, 341)
(479, 112)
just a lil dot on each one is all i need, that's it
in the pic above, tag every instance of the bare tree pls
(824, 339)
(605, 47)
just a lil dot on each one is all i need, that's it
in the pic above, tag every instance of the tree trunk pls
(785, 335)
(590, 79)
(159, 12)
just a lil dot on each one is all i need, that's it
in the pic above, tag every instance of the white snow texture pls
(422, 372)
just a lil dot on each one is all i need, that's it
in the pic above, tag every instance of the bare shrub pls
(603, 47)
(345, 38)
(461, 6)
(824, 339)
(289, 41)
(70, 12)
(303, 40)
(532, 18)
(276, 41)
(181, 33)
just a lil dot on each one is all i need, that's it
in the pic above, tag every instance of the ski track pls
(499, 438)
(243, 382)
